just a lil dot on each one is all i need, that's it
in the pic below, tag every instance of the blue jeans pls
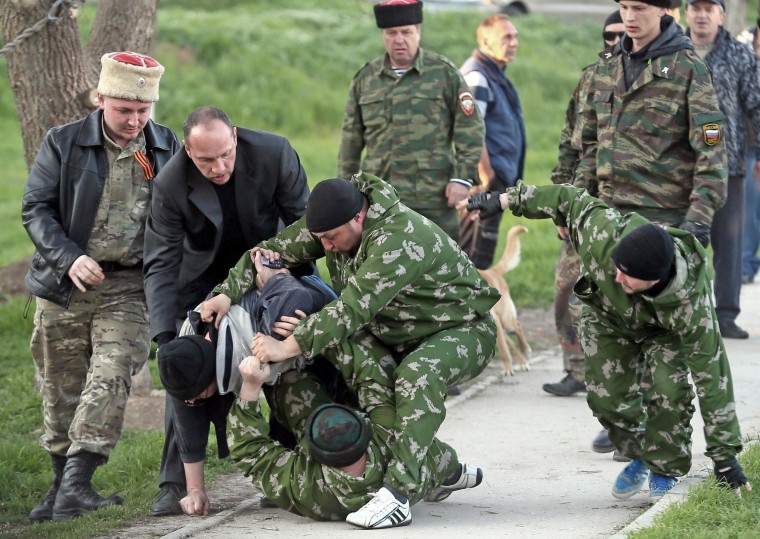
(751, 241)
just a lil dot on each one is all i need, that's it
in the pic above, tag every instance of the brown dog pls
(504, 312)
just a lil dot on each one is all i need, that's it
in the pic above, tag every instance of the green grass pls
(25, 471)
(710, 512)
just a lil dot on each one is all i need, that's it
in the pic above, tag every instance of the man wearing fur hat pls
(647, 314)
(413, 113)
(84, 207)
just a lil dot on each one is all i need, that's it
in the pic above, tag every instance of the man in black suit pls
(229, 190)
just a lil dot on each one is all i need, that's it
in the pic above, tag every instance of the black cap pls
(393, 13)
(614, 18)
(332, 203)
(647, 253)
(187, 366)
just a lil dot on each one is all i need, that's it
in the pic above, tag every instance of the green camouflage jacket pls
(656, 148)
(408, 126)
(570, 142)
(684, 309)
(407, 281)
(291, 478)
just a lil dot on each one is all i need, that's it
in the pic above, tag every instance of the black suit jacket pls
(184, 227)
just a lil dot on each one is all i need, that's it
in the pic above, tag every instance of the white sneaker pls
(384, 510)
(470, 477)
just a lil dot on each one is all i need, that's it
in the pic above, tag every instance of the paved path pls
(541, 478)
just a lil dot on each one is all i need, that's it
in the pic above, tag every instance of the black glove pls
(487, 202)
(732, 477)
(165, 337)
(701, 232)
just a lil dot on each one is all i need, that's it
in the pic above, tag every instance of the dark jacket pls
(62, 195)
(736, 77)
(184, 227)
(505, 127)
(671, 40)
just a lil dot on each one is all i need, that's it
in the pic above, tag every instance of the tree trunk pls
(52, 78)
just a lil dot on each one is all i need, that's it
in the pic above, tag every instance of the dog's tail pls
(511, 256)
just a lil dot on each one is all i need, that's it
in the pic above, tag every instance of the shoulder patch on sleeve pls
(466, 103)
(711, 134)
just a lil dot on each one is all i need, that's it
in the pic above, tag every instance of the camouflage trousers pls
(293, 400)
(567, 309)
(424, 370)
(87, 355)
(657, 429)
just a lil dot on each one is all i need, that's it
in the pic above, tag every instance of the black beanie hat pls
(656, 3)
(336, 435)
(332, 203)
(614, 18)
(393, 13)
(647, 253)
(187, 366)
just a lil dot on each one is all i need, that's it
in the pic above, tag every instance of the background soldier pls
(408, 142)
(84, 207)
(568, 265)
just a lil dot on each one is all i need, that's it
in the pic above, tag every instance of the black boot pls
(75, 495)
(44, 510)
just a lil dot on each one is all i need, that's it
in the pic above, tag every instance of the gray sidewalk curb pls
(193, 528)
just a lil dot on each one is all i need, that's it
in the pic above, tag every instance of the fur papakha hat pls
(393, 13)
(129, 75)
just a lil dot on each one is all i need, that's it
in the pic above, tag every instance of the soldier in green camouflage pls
(647, 314)
(326, 477)
(652, 126)
(404, 287)
(407, 109)
(568, 268)
(84, 207)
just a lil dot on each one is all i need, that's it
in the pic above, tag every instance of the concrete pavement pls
(541, 477)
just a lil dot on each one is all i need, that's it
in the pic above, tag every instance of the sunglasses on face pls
(610, 36)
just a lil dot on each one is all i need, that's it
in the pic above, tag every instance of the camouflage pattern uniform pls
(656, 147)
(568, 269)
(408, 126)
(88, 349)
(409, 291)
(297, 483)
(625, 337)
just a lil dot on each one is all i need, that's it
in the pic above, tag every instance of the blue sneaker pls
(630, 480)
(659, 485)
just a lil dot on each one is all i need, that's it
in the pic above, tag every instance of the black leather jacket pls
(62, 195)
